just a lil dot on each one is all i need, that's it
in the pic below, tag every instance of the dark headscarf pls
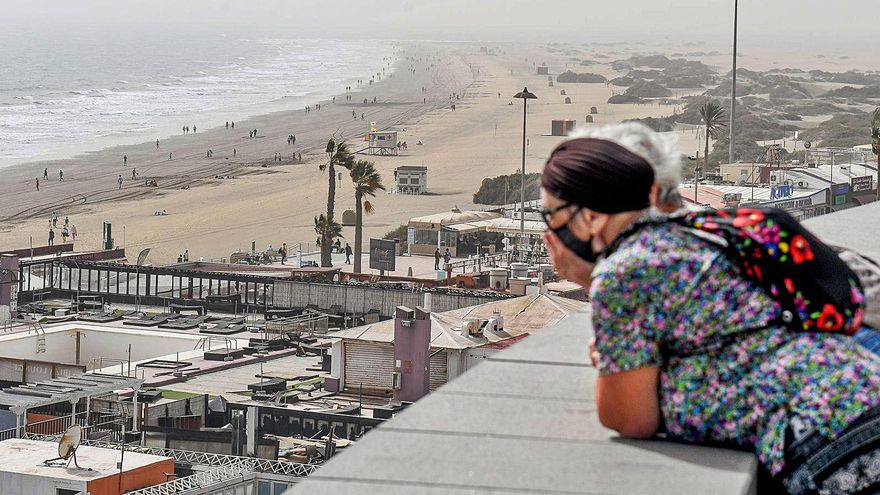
(598, 174)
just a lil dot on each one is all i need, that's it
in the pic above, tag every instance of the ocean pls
(66, 93)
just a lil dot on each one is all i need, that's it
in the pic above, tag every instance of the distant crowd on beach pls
(67, 229)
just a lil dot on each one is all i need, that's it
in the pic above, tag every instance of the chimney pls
(412, 339)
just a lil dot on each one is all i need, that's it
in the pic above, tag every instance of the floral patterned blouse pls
(666, 298)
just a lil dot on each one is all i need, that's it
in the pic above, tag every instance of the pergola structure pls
(22, 398)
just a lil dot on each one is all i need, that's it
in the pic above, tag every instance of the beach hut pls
(550, 84)
(382, 143)
(562, 92)
(567, 100)
(594, 110)
(589, 119)
(411, 179)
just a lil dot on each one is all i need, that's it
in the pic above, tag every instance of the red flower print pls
(789, 285)
(830, 320)
(800, 250)
(747, 218)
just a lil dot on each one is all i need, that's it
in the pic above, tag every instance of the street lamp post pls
(733, 83)
(525, 95)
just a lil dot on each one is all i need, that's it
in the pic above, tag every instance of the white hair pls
(657, 149)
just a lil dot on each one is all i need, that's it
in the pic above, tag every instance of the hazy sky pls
(846, 23)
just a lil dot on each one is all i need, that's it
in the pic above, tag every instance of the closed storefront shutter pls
(369, 364)
(438, 370)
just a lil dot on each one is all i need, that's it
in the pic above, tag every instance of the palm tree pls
(713, 118)
(337, 155)
(326, 229)
(366, 181)
(875, 144)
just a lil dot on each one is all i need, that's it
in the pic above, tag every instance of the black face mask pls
(583, 250)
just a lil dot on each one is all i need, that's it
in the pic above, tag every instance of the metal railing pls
(55, 427)
(203, 458)
(226, 468)
(197, 482)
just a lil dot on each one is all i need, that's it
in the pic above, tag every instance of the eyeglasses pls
(547, 213)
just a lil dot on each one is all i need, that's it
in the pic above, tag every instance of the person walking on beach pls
(255, 133)
(183, 129)
(186, 255)
(169, 156)
(119, 180)
(65, 234)
(233, 124)
(54, 219)
(250, 134)
(437, 259)
(66, 220)
(134, 173)
(300, 155)
(124, 160)
(194, 129)
(227, 124)
(347, 253)
(73, 232)
(293, 140)
(157, 144)
(233, 152)
(60, 175)
(51, 237)
(45, 174)
(38, 182)
(283, 252)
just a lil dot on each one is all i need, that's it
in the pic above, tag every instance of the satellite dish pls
(68, 444)
(807, 144)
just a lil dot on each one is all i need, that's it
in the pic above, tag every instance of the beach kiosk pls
(382, 143)
(411, 179)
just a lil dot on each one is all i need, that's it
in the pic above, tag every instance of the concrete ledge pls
(525, 422)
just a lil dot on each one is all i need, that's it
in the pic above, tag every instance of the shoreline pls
(166, 130)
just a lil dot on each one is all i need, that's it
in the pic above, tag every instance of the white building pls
(363, 357)
(411, 179)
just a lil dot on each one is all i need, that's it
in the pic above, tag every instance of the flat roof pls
(26, 457)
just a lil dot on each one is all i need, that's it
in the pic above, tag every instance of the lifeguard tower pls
(382, 143)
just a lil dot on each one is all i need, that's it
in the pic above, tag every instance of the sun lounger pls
(224, 328)
(151, 321)
(185, 323)
(104, 317)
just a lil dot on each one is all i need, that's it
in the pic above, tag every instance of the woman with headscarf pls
(686, 346)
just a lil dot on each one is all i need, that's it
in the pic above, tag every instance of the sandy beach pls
(277, 203)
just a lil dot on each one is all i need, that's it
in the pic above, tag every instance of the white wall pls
(96, 342)
(19, 484)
